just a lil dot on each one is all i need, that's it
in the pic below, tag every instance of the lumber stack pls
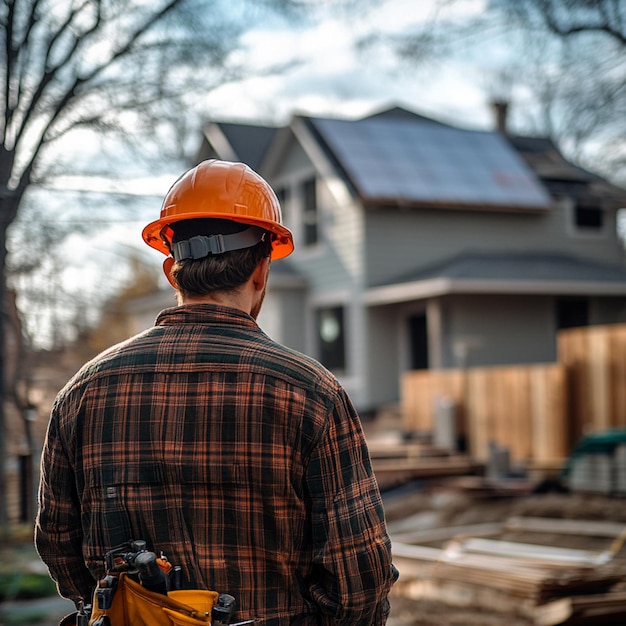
(548, 585)
(401, 462)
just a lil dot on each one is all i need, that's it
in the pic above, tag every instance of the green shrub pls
(24, 619)
(24, 586)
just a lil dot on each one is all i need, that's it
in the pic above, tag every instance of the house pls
(423, 245)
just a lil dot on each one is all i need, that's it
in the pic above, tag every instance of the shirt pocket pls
(114, 495)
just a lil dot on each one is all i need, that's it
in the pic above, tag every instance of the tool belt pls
(141, 589)
(134, 605)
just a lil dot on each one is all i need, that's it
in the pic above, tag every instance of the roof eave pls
(436, 287)
(404, 203)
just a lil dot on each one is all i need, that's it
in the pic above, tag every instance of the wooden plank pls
(618, 375)
(598, 365)
(572, 353)
(589, 528)
(506, 567)
(533, 553)
(380, 449)
(408, 404)
(548, 414)
(477, 415)
(485, 529)
(597, 607)
(430, 466)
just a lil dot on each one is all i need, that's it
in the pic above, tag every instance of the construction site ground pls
(455, 504)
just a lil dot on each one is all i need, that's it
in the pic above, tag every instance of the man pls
(240, 459)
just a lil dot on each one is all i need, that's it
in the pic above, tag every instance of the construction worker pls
(241, 460)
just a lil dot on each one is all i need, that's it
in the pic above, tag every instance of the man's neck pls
(234, 300)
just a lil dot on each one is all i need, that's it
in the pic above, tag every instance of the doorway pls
(418, 342)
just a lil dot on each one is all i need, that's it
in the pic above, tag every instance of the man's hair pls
(216, 272)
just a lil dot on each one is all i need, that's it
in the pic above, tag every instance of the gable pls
(236, 142)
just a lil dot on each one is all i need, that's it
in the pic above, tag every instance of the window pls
(330, 326)
(309, 214)
(572, 312)
(588, 217)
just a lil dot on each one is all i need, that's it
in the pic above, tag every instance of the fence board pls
(550, 433)
(572, 351)
(595, 362)
(618, 376)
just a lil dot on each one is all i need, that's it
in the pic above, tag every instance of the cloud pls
(330, 78)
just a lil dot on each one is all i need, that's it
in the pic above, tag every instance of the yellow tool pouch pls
(134, 605)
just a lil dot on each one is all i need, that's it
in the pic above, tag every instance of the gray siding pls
(607, 311)
(293, 315)
(294, 161)
(342, 230)
(383, 371)
(403, 241)
(500, 330)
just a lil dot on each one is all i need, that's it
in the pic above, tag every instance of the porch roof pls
(502, 273)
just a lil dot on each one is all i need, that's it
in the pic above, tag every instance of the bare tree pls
(581, 84)
(565, 62)
(568, 18)
(110, 65)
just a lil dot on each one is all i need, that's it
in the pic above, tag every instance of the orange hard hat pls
(224, 190)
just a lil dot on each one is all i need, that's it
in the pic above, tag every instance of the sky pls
(332, 79)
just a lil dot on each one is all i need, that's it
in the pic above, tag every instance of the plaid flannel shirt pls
(240, 459)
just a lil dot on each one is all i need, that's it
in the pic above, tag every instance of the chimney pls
(500, 110)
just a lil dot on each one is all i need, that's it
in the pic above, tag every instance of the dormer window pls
(588, 216)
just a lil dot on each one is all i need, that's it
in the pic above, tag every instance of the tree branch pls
(604, 25)
(10, 60)
(47, 135)
(51, 72)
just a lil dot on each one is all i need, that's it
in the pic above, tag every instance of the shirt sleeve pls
(353, 570)
(58, 534)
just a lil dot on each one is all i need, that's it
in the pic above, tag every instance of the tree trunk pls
(9, 203)
(4, 517)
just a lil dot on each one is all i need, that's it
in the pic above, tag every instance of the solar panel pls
(416, 162)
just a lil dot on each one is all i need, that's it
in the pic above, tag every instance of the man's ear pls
(260, 274)
(167, 270)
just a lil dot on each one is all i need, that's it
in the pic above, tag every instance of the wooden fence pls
(538, 412)
(595, 359)
(521, 408)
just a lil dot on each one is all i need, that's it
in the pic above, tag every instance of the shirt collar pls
(204, 314)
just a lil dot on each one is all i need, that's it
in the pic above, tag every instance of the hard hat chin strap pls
(201, 246)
